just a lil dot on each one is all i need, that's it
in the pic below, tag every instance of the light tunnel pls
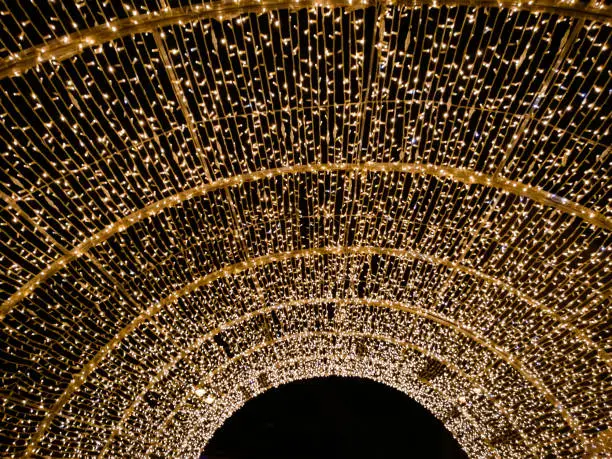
(203, 200)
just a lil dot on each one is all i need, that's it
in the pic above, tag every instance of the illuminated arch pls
(153, 310)
(462, 176)
(86, 187)
(290, 337)
(325, 301)
(69, 45)
(252, 317)
(348, 370)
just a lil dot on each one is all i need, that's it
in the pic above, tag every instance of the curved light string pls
(105, 350)
(270, 372)
(455, 174)
(68, 46)
(128, 412)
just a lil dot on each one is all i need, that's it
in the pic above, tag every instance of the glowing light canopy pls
(202, 200)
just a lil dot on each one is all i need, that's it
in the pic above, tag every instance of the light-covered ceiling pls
(204, 200)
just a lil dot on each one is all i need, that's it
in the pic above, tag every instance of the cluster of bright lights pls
(319, 355)
(203, 201)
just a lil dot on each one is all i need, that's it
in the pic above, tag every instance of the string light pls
(204, 201)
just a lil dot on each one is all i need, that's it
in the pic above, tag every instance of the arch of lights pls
(202, 200)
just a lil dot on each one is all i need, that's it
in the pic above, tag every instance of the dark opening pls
(332, 418)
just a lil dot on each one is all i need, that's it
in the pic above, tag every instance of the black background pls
(332, 418)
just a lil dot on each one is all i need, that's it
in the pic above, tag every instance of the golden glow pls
(205, 200)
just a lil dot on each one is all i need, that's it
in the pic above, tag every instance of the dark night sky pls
(332, 418)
